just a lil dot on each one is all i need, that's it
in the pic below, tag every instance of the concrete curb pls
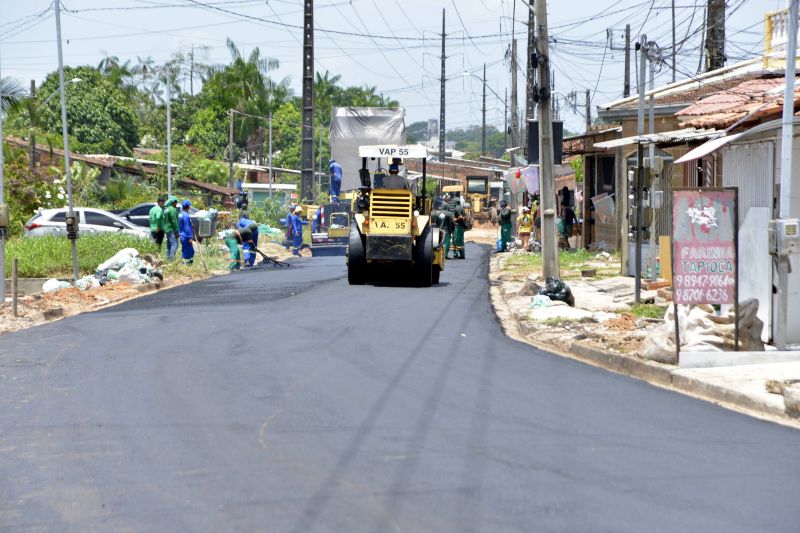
(730, 398)
(658, 374)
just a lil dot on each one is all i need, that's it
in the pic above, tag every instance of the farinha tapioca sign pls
(704, 242)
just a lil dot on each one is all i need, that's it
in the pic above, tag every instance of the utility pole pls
(787, 133)
(715, 35)
(67, 170)
(2, 200)
(673, 41)
(505, 118)
(546, 170)
(307, 153)
(588, 110)
(530, 105)
(483, 114)
(270, 155)
(626, 88)
(514, 115)
(32, 132)
(230, 149)
(637, 200)
(169, 135)
(442, 98)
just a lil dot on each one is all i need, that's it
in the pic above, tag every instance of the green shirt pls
(170, 219)
(156, 218)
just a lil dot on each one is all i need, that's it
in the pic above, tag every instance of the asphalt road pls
(288, 401)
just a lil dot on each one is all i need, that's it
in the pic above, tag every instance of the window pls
(98, 219)
(141, 210)
(60, 216)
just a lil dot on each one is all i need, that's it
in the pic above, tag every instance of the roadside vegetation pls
(51, 256)
(571, 263)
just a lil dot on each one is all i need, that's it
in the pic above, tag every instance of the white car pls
(90, 220)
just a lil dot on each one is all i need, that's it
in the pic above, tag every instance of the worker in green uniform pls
(506, 223)
(444, 221)
(157, 222)
(459, 218)
(171, 227)
(235, 237)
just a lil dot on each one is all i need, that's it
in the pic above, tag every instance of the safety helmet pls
(298, 209)
(186, 204)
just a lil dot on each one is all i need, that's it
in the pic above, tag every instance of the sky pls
(394, 45)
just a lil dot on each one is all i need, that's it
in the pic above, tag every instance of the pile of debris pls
(126, 266)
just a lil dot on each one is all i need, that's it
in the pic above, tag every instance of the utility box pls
(784, 236)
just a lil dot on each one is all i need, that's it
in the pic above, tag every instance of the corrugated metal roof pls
(675, 136)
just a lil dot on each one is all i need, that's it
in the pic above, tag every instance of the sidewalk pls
(596, 333)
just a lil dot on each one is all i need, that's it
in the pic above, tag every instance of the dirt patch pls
(624, 322)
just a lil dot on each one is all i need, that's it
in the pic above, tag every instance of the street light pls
(73, 80)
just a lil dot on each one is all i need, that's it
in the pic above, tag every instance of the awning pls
(706, 148)
(684, 135)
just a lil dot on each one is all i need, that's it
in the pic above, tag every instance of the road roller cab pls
(391, 220)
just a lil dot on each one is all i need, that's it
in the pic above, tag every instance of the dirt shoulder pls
(42, 307)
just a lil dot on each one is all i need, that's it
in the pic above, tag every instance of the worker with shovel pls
(235, 237)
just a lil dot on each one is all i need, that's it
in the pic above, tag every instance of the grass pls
(51, 256)
(647, 311)
(569, 260)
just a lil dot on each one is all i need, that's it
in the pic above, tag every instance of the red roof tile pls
(751, 100)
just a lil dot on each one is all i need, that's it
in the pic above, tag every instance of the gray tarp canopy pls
(352, 127)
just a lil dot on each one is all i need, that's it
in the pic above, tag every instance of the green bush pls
(51, 256)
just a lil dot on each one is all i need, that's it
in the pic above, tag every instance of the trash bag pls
(52, 285)
(119, 259)
(555, 289)
(87, 282)
(539, 301)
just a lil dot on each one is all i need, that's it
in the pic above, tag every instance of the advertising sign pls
(704, 255)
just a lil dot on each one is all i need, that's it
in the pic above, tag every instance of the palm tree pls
(144, 67)
(108, 63)
(12, 94)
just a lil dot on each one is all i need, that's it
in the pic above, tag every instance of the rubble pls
(701, 329)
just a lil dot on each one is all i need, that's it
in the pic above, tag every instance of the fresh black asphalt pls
(289, 401)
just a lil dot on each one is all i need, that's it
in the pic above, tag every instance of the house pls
(687, 113)
(257, 193)
(751, 161)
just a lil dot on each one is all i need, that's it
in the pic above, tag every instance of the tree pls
(100, 114)
(207, 132)
(286, 123)
(13, 95)
(145, 67)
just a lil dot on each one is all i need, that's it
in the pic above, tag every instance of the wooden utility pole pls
(307, 147)
(588, 110)
(626, 88)
(546, 170)
(715, 35)
(442, 82)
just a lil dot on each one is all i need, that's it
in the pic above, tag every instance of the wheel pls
(436, 272)
(356, 259)
(423, 258)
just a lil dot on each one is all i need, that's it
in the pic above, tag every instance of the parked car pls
(90, 220)
(140, 216)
